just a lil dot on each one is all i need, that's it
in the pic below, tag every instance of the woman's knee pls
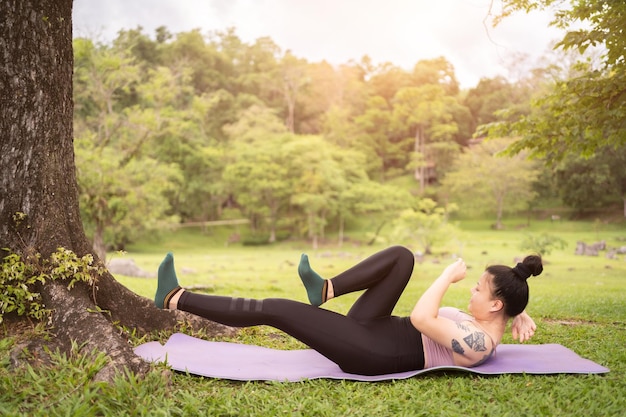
(403, 254)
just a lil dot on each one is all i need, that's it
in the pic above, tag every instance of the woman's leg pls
(363, 348)
(341, 339)
(383, 275)
(359, 347)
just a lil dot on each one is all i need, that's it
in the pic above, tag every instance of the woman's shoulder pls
(454, 314)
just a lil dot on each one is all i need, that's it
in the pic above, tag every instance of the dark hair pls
(509, 284)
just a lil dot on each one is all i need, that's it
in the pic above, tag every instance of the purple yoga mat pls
(255, 363)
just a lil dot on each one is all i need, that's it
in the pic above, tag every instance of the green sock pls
(314, 284)
(167, 282)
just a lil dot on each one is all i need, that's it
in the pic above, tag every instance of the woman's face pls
(481, 300)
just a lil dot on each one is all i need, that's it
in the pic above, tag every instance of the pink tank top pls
(436, 354)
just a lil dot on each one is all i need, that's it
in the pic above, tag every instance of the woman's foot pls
(167, 285)
(316, 286)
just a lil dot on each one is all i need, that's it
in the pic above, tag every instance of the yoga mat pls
(241, 362)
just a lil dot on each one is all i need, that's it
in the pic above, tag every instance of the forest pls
(194, 128)
(158, 131)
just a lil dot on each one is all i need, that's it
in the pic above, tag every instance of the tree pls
(292, 80)
(425, 225)
(122, 187)
(363, 197)
(585, 112)
(386, 79)
(436, 71)
(39, 209)
(381, 203)
(595, 182)
(120, 201)
(486, 182)
(426, 111)
(258, 167)
(321, 93)
(384, 152)
(102, 74)
(489, 96)
(209, 65)
(318, 179)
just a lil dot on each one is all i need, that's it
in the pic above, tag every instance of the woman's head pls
(509, 284)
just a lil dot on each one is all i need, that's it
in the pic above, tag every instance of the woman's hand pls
(523, 327)
(455, 271)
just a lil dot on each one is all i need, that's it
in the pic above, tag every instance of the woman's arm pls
(428, 305)
(470, 345)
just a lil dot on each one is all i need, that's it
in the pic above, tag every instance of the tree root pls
(77, 321)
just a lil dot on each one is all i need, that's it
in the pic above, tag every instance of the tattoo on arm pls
(476, 341)
(456, 347)
(483, 360)
(463, 327)
(486, 357)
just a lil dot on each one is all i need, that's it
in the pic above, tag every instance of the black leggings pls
(367, 341)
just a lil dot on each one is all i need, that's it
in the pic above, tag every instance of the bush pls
(542, 244)
(17, 278)
(256, 239)
(19, 275)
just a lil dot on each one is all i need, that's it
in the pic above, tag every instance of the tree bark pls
(420, 149)
(39, 209)
(36, 152)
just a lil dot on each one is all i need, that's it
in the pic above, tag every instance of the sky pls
(401, 32)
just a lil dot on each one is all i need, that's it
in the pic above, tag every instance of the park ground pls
(579, 302)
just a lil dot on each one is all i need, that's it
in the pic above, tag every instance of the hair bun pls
(531, 265)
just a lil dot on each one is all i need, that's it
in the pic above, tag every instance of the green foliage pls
(318, 179)
(426, 114)
(491, 96)
(213, 108)
(183, 128)
(543, 243)
(65, 265)
(20, 275)
(484, 181)
(582, 113)
(426, 225)
(258, 173)
(122, 199)
(255, 239)
(121, 116)
(384, 149)
(595, 182)
(17, 279)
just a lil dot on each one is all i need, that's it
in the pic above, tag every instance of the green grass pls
(578, 302)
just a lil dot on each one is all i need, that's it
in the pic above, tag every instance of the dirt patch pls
(571, 322)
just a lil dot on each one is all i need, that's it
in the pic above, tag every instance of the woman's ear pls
(496, 305)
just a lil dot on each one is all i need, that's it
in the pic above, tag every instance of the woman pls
(368, 340)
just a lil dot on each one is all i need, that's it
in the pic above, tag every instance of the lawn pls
(578, 302)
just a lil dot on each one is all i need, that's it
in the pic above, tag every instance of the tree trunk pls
(291, 108)
(341, 230)
(39, 194)
(289, 93)
(420, 149)
(273, 220)
(36, 152)
(499, 210)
